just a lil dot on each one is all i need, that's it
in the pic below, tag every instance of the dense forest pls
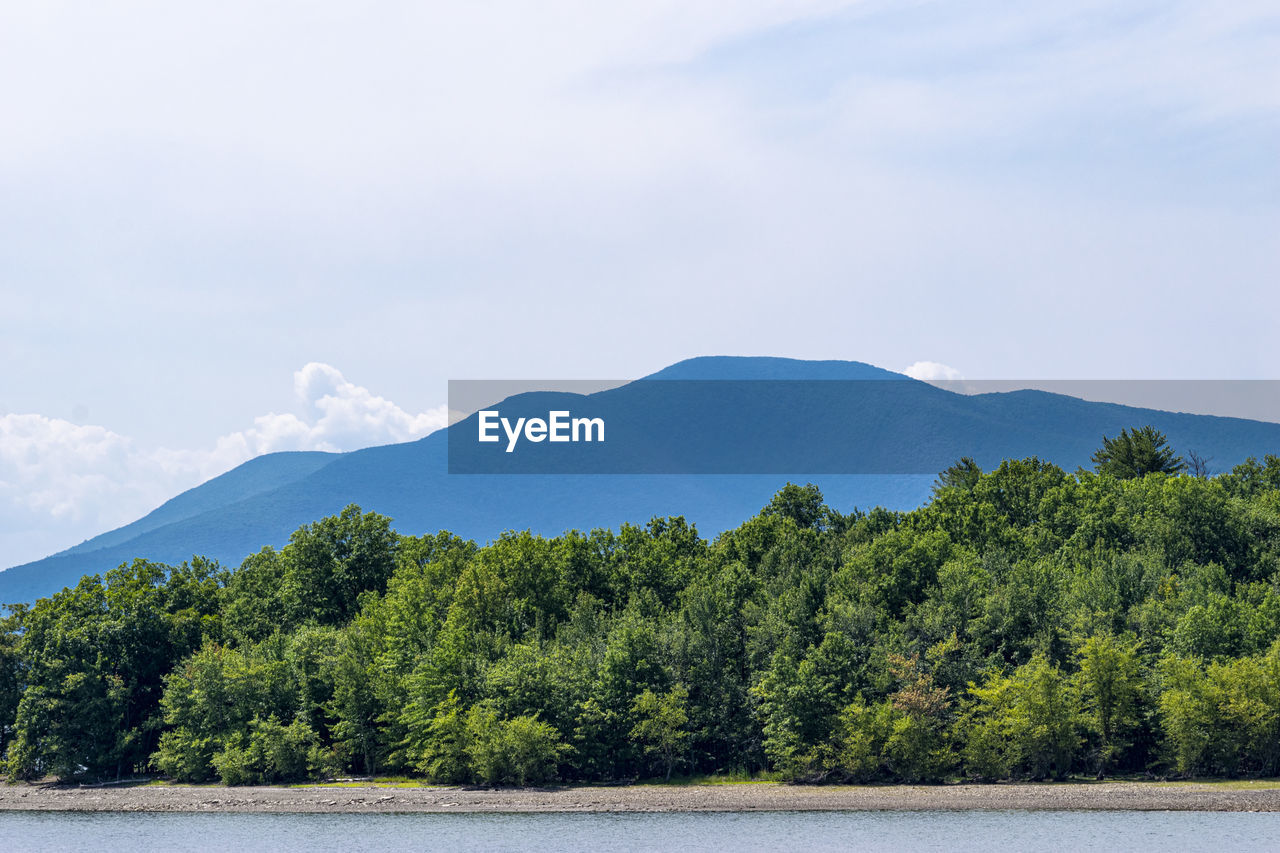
(1026, 623)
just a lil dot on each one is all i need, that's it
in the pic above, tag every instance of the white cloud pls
(528, 170)
(931, 371)
(61, 482)
(352, 416)
(554, 176)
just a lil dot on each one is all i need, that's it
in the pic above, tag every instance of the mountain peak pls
(738, 367)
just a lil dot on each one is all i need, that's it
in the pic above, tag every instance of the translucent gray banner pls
(796, 427)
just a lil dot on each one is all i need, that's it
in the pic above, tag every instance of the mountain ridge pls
(262, 501)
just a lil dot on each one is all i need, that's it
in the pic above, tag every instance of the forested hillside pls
(723, 432)
(1025, 623)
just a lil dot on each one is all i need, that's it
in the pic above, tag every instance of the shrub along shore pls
(1026, 624)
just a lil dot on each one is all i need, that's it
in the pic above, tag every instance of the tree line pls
(1026, 623)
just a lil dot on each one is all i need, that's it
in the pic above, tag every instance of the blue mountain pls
(866, 436)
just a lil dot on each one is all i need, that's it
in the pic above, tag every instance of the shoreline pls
(720, 797)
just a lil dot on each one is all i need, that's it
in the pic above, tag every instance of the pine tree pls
(1134, 454)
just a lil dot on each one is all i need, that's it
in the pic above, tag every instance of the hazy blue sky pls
(223, 222)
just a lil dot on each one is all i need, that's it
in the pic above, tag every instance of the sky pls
(230, 228)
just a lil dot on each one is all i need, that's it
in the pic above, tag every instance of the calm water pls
(771, 831)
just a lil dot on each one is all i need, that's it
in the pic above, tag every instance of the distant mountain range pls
(768, 416)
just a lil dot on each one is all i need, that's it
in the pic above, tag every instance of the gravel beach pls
(1140, 796)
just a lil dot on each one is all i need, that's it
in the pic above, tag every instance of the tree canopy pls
(1144, 450)
(1026, 623)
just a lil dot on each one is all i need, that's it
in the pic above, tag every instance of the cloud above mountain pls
(61, 482)
(929, 371)
(870, 179)
(420, 192)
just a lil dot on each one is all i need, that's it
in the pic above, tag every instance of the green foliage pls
(252, 606)
(328, 564)
(801, 504)
(466, 745)
(1222, 718)
(268, 752)
(212, 699)
(864, 731)
(94, 660)
(12, 675)
(660, 726)
(356, 703)
(800, 704)
(1110, 687)
(1143, 451)
(918, 748)
(963, 475)
(1024, 725)
(894, 569)
(1026, 623)
(443, 743)
(905, 736)
(519, 751)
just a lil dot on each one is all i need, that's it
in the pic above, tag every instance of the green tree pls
(95, 659)
(800, 706)
(711, 658)
(211, 701)
(917, 748)
(864, 730)
(1143, 451)
(963, 475)
(660, 726)
(1024, 724)
(1223, 717)
(356, 704)
(329, 563)
(801, 504)
(1110, 687)
(1026, 623)
(519, 751)
(253, 607)
(12, 676)
(441, 742)
(268, 752)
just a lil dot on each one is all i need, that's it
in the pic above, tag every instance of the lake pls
(771, 831)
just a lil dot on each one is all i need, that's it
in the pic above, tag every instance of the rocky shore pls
(1140, 796)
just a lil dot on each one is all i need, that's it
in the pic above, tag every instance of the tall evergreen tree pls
(1135, 454)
